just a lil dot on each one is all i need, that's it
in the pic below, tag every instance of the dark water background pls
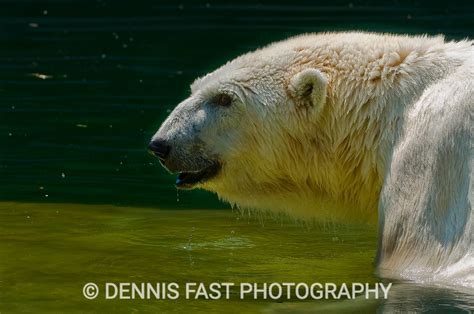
(84, 84)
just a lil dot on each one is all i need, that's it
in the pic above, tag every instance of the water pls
(85, 84)
(49, 251)
(83, 87)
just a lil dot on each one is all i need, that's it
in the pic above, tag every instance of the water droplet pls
(190, 239)
(41, 76)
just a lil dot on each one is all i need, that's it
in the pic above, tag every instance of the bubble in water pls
(63, 175)
(177, 196)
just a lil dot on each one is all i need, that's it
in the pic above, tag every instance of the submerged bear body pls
(342, 126)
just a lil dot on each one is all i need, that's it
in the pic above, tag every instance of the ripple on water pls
(227, 243)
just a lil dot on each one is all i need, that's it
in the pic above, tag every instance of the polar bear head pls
(298, 125)
(241, 129)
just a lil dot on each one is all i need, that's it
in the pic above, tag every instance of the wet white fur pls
(385, 133)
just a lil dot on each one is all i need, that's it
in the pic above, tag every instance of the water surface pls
(49, 251)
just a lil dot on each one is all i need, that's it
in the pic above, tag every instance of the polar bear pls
(342, 126)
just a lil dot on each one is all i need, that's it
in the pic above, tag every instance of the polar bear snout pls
(192, 169)
(181, 148)
(160, 149)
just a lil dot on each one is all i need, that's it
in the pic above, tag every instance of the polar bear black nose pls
(160, 148)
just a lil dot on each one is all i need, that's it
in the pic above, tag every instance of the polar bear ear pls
(308, 87)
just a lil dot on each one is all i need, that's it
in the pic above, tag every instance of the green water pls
(49, 252)
(84, 84)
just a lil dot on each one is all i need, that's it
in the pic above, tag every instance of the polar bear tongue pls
(187, 180)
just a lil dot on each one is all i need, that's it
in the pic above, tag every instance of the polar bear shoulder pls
(426, 216)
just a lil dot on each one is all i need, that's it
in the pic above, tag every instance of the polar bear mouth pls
(187, 180)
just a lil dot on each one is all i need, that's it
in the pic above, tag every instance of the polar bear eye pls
(222, 100)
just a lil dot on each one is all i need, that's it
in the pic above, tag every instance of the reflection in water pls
(403, 298)
(410, 297)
